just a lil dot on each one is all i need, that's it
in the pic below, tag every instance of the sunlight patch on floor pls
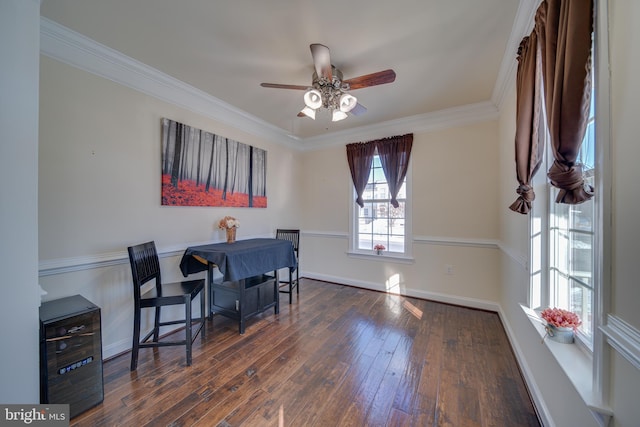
(412, 309)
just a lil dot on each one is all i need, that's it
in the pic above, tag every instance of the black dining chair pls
(145, 267)
(294, 237)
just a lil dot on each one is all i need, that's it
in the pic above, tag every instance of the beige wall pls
(455, 180)
(99, 191)
(100, 171)
(625, 150)
(455, 190)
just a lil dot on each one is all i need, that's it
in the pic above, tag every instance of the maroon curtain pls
(528, 141)
(564, 29)
(360, 156)
(394, 156)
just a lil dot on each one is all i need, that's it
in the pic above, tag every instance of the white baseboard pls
(529, 378)
(417, 293)
(116, 348)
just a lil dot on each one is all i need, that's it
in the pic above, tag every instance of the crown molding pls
(522, 26)
(74, 49)
(458, 116)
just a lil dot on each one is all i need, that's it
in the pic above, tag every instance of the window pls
(563, 243)
(570, 251)
(378, 222)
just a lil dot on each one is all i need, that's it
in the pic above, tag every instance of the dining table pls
(248, 281)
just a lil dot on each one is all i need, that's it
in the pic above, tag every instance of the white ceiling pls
(446, 54)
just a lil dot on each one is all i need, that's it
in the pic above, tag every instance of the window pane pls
(582, 216)
(581, 259)
(378, 221)
(581, 304)
(571, 247)
(366, 213)
(397, 219)
(365, 241)
(563, 241)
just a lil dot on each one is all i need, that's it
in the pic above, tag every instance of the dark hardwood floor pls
(339, 356)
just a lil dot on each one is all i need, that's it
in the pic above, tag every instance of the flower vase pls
(559, 334)
(231, 235)
(378, 251)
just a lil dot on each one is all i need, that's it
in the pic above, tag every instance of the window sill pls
(400, 258)
(577, 366)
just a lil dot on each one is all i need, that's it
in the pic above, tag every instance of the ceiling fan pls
(330, 91)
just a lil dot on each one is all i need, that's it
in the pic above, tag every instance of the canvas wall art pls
(204, 169)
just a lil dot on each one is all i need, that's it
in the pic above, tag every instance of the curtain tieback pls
(523, 202)
(565, 176)
(570, 181)
(526, 192)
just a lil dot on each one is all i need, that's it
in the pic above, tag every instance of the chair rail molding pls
(456, 241)
(624, 338)
(52, 267)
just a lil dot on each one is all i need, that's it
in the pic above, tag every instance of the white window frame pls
(542, 291)
(406, 255)
(594, 391)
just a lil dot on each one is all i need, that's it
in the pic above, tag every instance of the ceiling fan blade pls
(373, 79)
(358, 109)
(321, 60)
(279, 86)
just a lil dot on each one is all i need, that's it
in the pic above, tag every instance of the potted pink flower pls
(379, 248)
(561, 324)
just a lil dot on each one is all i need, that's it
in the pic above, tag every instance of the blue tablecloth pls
(241, 259)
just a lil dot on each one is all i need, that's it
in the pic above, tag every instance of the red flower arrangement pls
(379, 247)
(561, 318)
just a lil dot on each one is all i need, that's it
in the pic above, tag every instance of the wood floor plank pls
(287, 360)
(266, 362)
(338, 356)
(424, 407)
(406, 393)
(267, 372)
(316, 372)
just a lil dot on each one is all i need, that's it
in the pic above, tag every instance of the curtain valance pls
(394, 153)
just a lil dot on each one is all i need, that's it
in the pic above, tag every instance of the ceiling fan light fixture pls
(313, 99)
(338, 115)
(309, 112)
(328, 89)
(347, 102)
